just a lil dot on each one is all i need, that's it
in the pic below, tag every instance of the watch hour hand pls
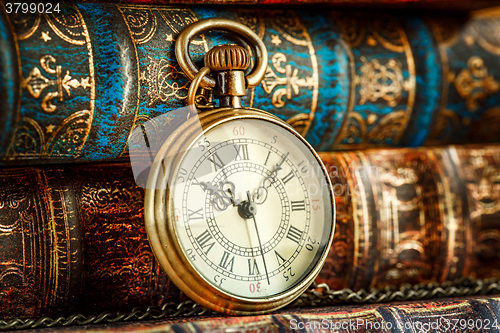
(234, 201)
(220, 198)
(206, 186)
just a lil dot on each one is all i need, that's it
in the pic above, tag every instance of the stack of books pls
(403, 107)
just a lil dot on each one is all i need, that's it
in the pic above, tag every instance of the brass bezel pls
(162, 235)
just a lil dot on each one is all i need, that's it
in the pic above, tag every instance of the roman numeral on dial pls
(241, 152)
(253, 269)
(216, 161)
(280, 259)
(267, 158)
(288, 177)
(298, 205)
(226, 263)
(203, 239)
(294, 234)
(195, 214)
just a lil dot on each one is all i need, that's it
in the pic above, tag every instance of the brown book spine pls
(413, 216)
(72, 239)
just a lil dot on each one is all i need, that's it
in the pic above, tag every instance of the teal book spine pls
(75, 84)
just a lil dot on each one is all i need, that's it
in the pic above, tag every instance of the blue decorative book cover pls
(75, 84)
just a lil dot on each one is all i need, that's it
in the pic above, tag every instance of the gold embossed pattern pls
(288, 78)
(413, 216)
(51, 84)
(383, 77)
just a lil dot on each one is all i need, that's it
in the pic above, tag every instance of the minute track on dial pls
(230, 174)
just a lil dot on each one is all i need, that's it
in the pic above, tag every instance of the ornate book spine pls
(413, 215)
(449, 4)
(477, 314)
(78, 82)
(72, 239)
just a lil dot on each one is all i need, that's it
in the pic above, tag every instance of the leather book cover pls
(75, 84)
(72, 239)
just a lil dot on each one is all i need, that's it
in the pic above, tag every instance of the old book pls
(413, 215)
(433, 4)
(467, 314)
(76, 83)
(72, 239)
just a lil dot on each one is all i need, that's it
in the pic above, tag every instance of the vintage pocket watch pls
(239, 209)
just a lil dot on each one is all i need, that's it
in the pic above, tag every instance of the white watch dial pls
(253, 208)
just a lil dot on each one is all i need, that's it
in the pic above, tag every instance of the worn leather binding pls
(317, 295)
(75, 84)
(73, 239)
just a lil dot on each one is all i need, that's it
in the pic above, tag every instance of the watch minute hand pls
(260, 194)
(253, 212)
(283, 160)
(277, 168)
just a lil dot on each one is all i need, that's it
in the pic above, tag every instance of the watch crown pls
(227, 57)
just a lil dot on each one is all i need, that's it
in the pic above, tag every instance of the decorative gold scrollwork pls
(178, 19)
(36, 83)
(142, 24)
(163, 80)
(474, 84)
(483, 178)
(485, 31)
(25, 25)
(290, 83)
(69, 26)
(381, 81)
(289, 26)
(251, 20)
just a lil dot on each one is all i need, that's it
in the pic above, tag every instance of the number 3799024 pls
(32, 7)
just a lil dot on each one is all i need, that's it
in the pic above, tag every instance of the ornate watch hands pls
(260, 194)
(220, 198)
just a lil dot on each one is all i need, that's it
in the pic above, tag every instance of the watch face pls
(252, 208)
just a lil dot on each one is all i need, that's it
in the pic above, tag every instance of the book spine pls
(41, 253)
(72, 240)
(478, 314)
(413, 215)
(9, 80)
(432, 4)
(84, 78)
